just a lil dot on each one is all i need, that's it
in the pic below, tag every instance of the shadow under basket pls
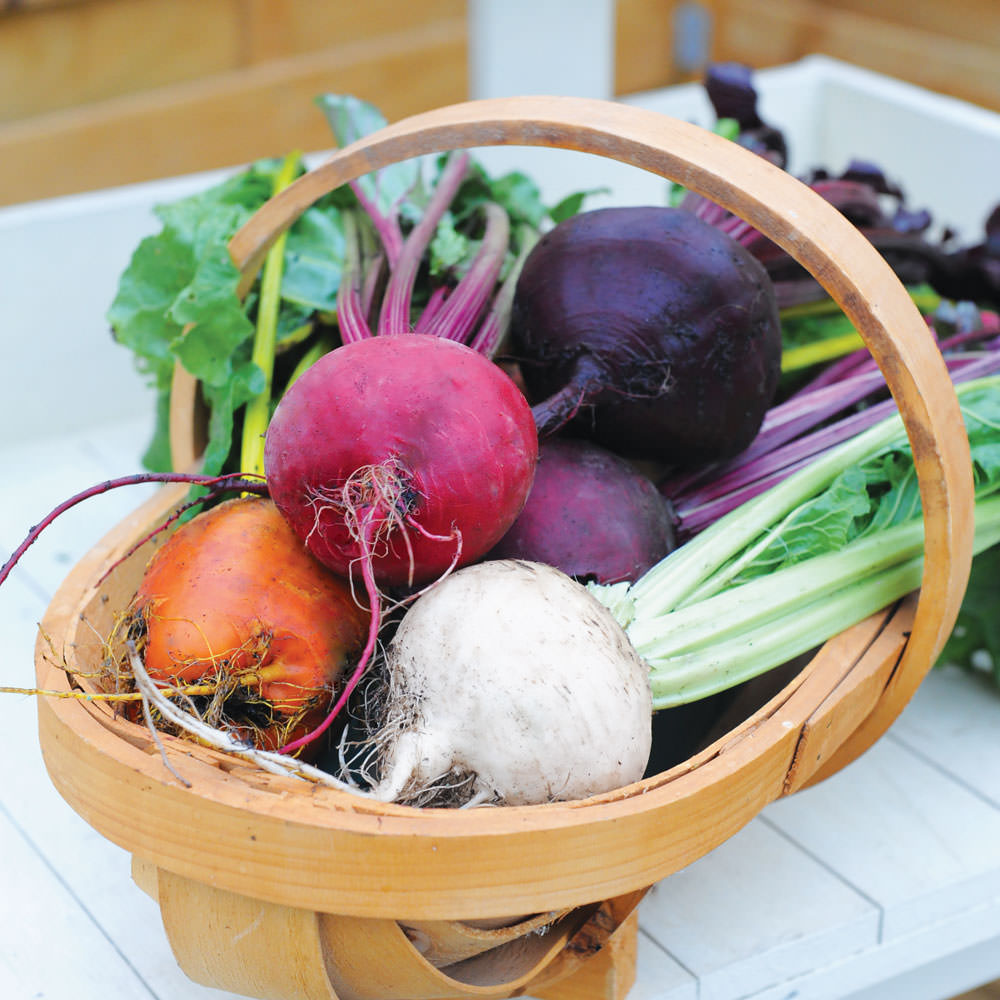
(273, 887)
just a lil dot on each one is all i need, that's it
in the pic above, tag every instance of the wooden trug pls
(275, 888)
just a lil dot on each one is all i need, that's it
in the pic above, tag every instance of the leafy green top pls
(177, 301)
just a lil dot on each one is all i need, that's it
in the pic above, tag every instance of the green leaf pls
(177, 299)
(246, 190)
(516, 193)
(892, 483)
(573, 203)
(314, 258)
(450, 250)
(350, 119)
(977, 629)
(294, 324)
(519, 195)
(159, 269)
(982, 420)
(208, 310)
(823, 524)
(975, 641)
(224, 400)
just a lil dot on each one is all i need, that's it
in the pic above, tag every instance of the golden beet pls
(234, 599)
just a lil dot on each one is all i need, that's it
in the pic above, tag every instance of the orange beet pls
(235, 592)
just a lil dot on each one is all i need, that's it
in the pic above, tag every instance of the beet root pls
(651, 331)
(591, 514)
(405, 454)
(233, 600)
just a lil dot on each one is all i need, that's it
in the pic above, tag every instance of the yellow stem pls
(819, 351)
(259, 408)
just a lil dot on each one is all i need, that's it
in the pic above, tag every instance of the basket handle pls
(811, 230)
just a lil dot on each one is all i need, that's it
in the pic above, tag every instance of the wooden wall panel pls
(78, 53)
(644, 43)
(953, 47)
(227, 119)
(249, 92)
(101, 92)
(274, 29)
(973, 20)
(768, 32)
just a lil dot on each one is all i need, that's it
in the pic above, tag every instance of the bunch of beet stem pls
(842, 400)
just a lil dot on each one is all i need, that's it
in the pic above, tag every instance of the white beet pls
(512, 675)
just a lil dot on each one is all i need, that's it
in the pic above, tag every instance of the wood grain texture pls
(277, 952)
(833, 722)
(70, 56)
(277, 29)
(444, 942)
(644, 46)
(951, 48)
(991, 991)
(223, 111)
(61, 54)
(610, 974)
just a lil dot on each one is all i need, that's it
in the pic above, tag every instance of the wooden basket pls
(277, 889)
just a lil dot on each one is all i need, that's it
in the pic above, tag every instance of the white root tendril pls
(273, 763)
(373, 505)
(380, 487)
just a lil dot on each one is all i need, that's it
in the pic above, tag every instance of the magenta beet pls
(404, 453)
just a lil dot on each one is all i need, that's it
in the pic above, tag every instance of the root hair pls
(383, 712)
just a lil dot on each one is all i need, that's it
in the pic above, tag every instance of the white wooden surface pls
(883, 882)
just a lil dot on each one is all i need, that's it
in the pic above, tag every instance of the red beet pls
(590, 514)
(655, 333)
(406, 453)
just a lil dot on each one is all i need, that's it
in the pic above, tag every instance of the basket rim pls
(99, 762)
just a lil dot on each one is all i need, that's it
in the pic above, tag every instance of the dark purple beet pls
(653, 332)
(590, 514)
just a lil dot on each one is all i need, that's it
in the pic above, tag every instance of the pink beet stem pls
(461, 311)
(395, 315)
(386, 225)
(231, 482)
(370, 523)
(350, 308)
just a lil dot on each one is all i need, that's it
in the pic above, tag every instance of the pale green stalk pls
(701, 634)
(776, 618)
(672, 582)
(768, 597)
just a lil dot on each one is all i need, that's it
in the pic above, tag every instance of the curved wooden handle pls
(790, 214)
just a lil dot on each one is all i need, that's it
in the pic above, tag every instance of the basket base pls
(607, 975)
(268, 951)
